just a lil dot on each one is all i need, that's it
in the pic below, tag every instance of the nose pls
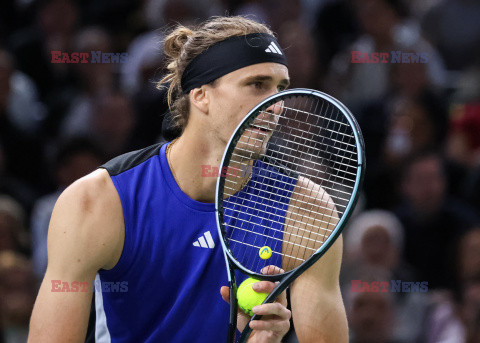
(273, 111)
(276, 108)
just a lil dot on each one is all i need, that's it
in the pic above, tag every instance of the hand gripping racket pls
(289, 181)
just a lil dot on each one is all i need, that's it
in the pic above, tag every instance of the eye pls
(281, 88)
(257, 84)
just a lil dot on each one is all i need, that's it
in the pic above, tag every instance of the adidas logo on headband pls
(273, 49)
(218, 59)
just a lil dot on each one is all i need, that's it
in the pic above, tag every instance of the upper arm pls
(317, 307)
(86, 234)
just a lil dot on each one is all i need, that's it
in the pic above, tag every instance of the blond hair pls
(183, 44)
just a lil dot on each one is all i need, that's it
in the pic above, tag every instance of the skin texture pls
(78, 249)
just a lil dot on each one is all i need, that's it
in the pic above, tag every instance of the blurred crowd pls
(418, 219)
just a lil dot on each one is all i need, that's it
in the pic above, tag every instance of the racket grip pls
(232, 326)
(248, 330)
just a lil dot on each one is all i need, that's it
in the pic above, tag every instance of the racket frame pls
(288, 277)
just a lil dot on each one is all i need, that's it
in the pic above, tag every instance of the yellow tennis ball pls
(247, 297)
(265, 252)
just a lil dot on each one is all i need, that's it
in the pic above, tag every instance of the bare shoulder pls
(87, 222)
(311, 197)
(311, 218)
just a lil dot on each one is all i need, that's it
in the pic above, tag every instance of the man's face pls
(371, 317)
(235, 94)
(424, 185)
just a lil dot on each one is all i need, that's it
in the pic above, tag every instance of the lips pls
(261, 128)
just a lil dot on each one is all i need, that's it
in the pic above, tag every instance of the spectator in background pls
(13, 235)
(468, 256)
(19, 97)
(335, 29)
(402, 315)
(463, 151)
(454, 29)
(257, 10)
(470, 309)
(75, 158)
(356, 83)
(371, 318)
(53, 30)
(21, 148)
(374, 243)
(371, 315)
(468, 282)
(464, 139)
(94, 78)
(385, 29)
(394, 130)
(145, 64)
(112, 123)
(301, 51)
(374, 237)
(283, 11)
(14, 186)
(17, 296)
(414, 126)
(432, 219)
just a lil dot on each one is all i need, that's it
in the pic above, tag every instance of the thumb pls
(225, 292)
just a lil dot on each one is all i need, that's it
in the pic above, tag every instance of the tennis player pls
(144, 225)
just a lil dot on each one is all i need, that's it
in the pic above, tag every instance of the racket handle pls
(248, 330)
(232, 326)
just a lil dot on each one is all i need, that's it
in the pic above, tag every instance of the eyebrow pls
(284, 82)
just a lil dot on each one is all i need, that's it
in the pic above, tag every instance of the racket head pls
(307, 148)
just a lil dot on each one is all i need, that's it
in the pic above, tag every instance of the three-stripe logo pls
(205, 241)
(273, 49)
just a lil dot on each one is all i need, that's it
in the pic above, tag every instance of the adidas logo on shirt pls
(273, 49)
(205, 241)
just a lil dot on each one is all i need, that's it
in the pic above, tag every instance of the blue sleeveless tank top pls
(166, 285)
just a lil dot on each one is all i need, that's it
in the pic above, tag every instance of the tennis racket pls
(290, 177)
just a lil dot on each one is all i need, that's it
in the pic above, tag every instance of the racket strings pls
(340, 184)
(293, 216)
(350, 146)
(290, 264)
(293, 206)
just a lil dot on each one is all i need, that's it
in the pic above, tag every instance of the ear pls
(199, 99)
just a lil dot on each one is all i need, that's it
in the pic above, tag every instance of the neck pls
(193, 160)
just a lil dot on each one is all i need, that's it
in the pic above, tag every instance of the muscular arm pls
(85, 234)
(317, 307)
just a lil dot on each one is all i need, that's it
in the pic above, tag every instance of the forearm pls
(59, 316)
(324, 322)
(317, 306)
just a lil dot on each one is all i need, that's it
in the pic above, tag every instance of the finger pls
(272, 270)
(225, 292)
(263, 286)
(275, 309)
(280, 326)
